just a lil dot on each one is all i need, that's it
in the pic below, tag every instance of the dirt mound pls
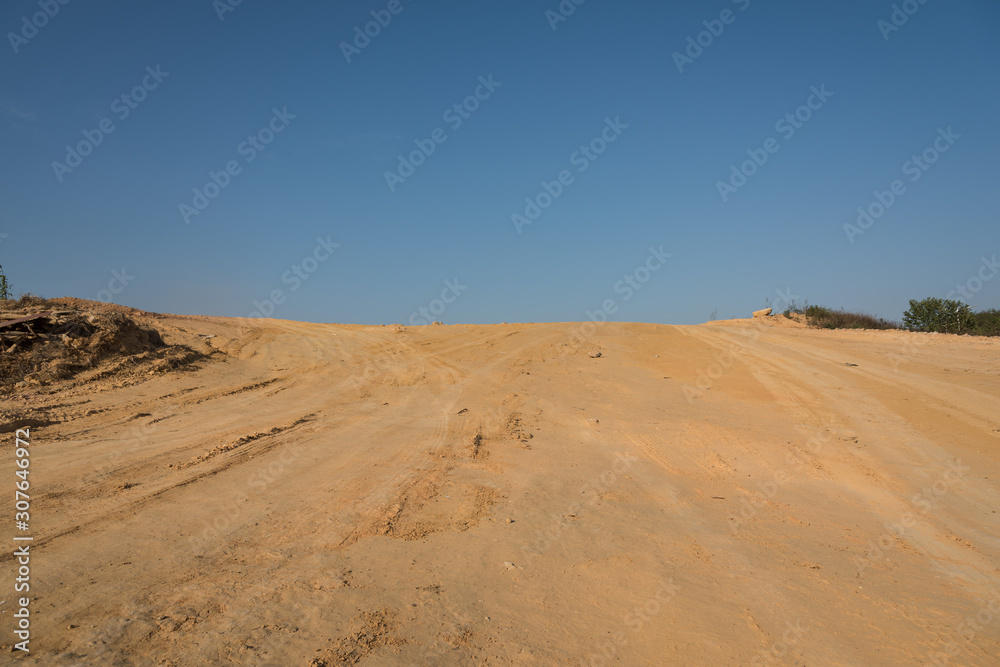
(37, 304)
(95, 306)
(300, 500)
(793, 320)
(43, 341)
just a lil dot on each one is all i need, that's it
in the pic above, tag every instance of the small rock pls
(73, 627)
(595, 355)
(762, 313)
(509, 520)
(507, 564)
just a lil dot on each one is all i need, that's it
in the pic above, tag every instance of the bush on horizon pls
(827, 318)
(932, 314)
(987, 323)
(950, 316)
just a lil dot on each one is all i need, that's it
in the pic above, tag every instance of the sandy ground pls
(466, 495)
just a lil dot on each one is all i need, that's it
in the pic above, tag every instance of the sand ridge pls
(490, 494)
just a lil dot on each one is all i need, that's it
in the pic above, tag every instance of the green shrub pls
(939, 315)
(827, 318)
(794, 307)
(5, 292)
(987, 323)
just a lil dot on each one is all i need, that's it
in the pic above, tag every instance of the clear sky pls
(644, 127)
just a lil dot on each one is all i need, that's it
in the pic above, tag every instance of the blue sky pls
(279, 73)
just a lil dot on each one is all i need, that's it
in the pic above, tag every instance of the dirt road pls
(329, 494)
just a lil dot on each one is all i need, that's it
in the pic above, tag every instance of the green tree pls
(940, 315)
(4, 286)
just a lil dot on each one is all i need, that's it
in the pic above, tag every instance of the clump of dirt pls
(514, 427)
(44, 341)
(477, 443)
(369, 633)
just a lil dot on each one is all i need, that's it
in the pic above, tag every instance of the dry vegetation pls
(81, 342)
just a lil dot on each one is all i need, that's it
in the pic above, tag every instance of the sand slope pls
(698, 495)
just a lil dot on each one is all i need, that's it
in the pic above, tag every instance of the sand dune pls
(465, 495)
